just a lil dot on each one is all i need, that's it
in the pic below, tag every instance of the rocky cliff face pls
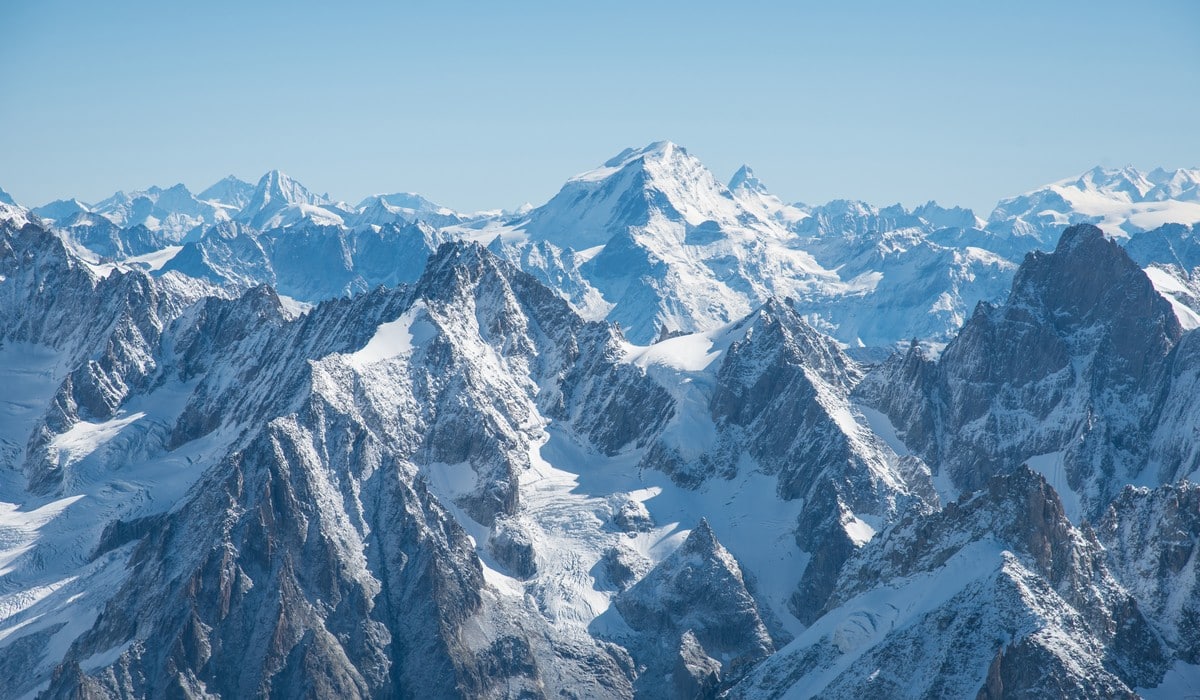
(479, 350)
(1151, 537)
(1071, 371)
(308, 261)
(774, 399)
(910, 610)
(698, 625)
(104, 329)
(100, 235)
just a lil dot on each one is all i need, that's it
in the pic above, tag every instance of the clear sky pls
(491, 104)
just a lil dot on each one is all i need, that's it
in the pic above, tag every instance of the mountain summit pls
(230, 192)
(669, 246)
(278, 199)
(661, 181)
(1120, 200)
(745, 178)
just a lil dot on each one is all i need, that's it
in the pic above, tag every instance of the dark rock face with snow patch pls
(1152, 537)
(1077, 361)
(996, 594)
(697, 622)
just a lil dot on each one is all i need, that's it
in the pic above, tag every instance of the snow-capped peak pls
(406, 200)
(1182, 184)
(953, 217)
(276, 186)
(659, 152)
(12, 213)
(60, 209)
(745, 179)
(173, 210)
(278, 198)
(1119, 200)
(229, 191)
(406, 207)
(751, 193)
(661, 181)
(1126, 181)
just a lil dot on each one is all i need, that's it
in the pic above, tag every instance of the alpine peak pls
(745, 178)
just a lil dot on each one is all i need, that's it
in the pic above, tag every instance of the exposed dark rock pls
(698, 591)
(696, 675)
(1152, 538)
(1014, 601)
(631, 516)
(121, 532)
(622, 566)
(512, 546)
(1077, 360)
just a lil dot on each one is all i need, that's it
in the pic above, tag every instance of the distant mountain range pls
(659, 437)
(651, 240)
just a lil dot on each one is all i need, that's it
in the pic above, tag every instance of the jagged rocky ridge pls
(996, 595)
(1073, 373)
(385, 392)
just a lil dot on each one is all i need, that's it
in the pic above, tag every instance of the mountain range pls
(658, 437)
(652, 240)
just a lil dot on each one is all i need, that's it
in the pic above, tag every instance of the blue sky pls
(481, 105)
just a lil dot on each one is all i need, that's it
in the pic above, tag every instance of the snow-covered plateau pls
(659, 437)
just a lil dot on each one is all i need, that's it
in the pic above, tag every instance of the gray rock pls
(630, 515)
(998, 594)
(699, 591)
(622, 566)
(512, 545)
(1077, 360)
(695, 675)
(1152, 538)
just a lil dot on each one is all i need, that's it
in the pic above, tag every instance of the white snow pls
(713, 258)
(155, 260)
(1173, 289)
(1115, 200)
(718, 257)
(862, 622)
(859, 530)
(114, 469)
(294, 308)
(882, 426)
(394, 338)
(567, 499)
(449, 482)
(692, 352)
(296, 213)
(1182, 682)
(16, 216)
(587, 254)
(30, 375)
(19, 530)
(84, 438)
(746, 514)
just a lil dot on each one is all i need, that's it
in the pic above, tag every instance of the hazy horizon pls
(491, 107)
